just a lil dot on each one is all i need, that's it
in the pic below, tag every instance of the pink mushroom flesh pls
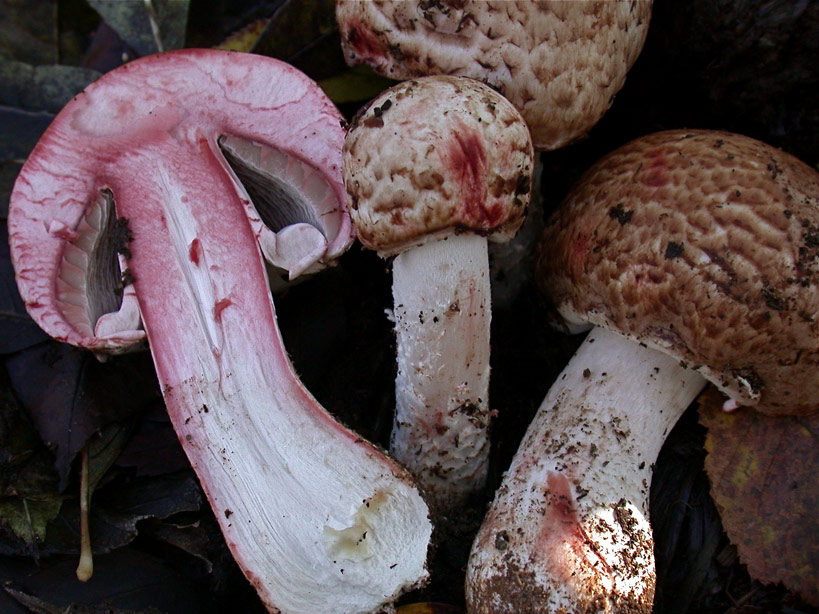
(139, 153)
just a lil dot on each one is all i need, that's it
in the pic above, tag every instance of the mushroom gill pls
(92, 278)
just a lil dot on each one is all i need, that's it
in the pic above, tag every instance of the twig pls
(85, 569)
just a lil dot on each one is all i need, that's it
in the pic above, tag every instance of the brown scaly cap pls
(704, 244)
(433, 157)
(560, 63)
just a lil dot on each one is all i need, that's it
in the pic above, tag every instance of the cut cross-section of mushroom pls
(93, 288)
(433, 168)
(696, 254)
(134, 185)
(298, 208)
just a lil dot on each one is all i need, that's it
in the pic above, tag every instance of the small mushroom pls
(560, 63)
(433, 167)
(695, 255)
(173, 176)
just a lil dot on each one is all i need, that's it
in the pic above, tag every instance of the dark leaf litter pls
(159, 549)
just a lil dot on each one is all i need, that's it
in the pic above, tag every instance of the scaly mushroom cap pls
(560, 63)
(433, 157)
(721, 271)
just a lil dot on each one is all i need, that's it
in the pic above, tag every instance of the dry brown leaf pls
(764, 480)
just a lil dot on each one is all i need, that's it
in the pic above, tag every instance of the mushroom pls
(560, 63)
(432, 168)
(192, 165)
(695, 256)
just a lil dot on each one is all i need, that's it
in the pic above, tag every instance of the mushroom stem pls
(85, 568)
(427, 163)
(442, 314)
(318, 520)
(569, 528)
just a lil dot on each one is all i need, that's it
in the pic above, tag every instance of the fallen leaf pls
(19, 131)
(28, 31)
(103, 450)
(28, 482)
(40, 606)
(684, 520)
(106, 50)
(244, 39)
(42, 88)
(71, 396)
(149, 26)
(125, 580)
(193, 540)
(356, 84)
(154, 447)
(28, 519)
(117, 510)
(25, 464)
(764, 482)
(304, 33)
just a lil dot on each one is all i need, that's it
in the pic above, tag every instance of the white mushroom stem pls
(568, 530)
(442, 314)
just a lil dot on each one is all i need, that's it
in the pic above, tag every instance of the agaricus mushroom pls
(158, 160)
(433, 167)
(695, 254)
(560, 63)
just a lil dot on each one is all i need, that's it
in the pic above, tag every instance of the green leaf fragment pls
(28, 518)
(354, 85)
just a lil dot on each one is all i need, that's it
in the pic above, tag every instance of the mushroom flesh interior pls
(294, 203)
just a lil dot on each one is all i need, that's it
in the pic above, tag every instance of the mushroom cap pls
(560, 63)
(166, 107)
(436, 156)
(705, 245)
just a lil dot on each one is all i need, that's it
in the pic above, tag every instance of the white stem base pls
(568, 530)
(442, 316)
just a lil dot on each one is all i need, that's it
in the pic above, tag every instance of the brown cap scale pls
(157, 160)
(433, 167)
(559, 63)
(695, 254)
